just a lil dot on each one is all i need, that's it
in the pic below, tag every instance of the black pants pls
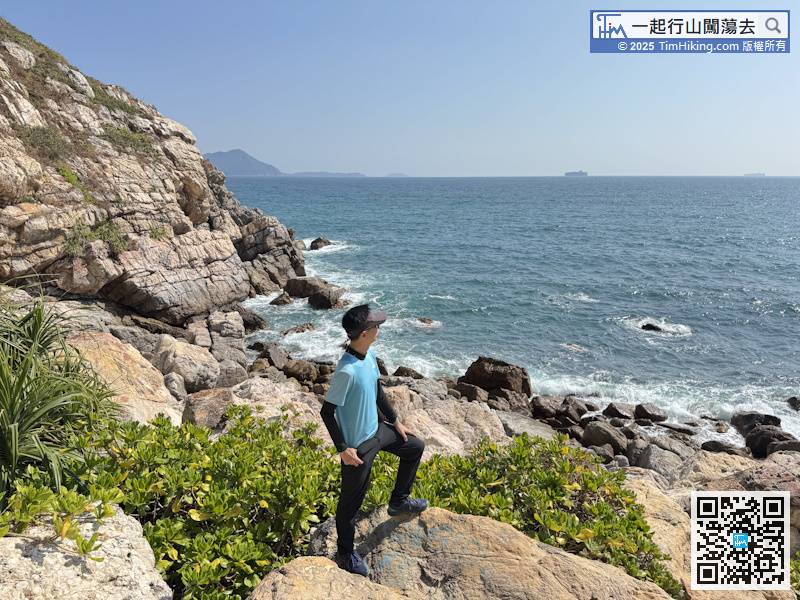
(355, 480)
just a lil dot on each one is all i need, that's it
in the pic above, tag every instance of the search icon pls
(772, 25)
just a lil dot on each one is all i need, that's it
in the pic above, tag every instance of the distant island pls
(755, 175)
(238, 163)
(575, 174)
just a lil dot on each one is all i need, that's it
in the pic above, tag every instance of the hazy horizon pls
(445, 90)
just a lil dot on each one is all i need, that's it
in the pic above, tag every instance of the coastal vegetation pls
(220, 512)
(82, 234)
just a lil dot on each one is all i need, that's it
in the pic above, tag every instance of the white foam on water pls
(335, 246)
(681, 400)
(407, 322)
(667, 328)
(442, 297)
(581, 297)
(574, 348)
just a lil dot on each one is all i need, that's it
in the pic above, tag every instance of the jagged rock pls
(381, 366)
(651, 327)
(276, 355)
(682, 449)
(230, 373)
(678, 427)
(491, 374)
(440, 555)
(38, 565)
(207, 407)
(22, 56)
(314, 578)
(154, 326)
(784, 445)
(299, 329)
(138, 386)
(145, 342)
(517, 424)
(302, 370)
(199, 334)
(327, 298)
(270, 400)
(620, 410)
(407, 372)
(586, 419)
(636, 448)
(303, 287)
(598, 433)
(196, 365)
(744, 421)
(660, 460)
(649, 411)
(509, 400)
(720, 446)
(174, 383)
(794, 402)
(282, 299)
(760, 437)
(320, 242)
(471, 392)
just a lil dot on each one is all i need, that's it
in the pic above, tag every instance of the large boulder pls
(761, 437)
(38, 565)
(744, 421)
(598, 433)
(491, 374)
(139, 387)
(440, 555)
(196, 365)
(330, 297)
(316, 578)
(517, 424)
(303, 287)
(206, 408)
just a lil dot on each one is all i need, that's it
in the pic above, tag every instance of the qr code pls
(740, 540)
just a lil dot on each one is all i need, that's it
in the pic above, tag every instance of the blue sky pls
(433, 88)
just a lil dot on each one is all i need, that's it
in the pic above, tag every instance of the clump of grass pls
(45, 142)
(125, 139)
(158, 232)
(81, 234)
(71, 178)
(101, 96)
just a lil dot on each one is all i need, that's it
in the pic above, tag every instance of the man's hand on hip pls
(401, 429)
(350, 457)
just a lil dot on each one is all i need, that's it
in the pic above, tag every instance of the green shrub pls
(45, 142)
(101, 96)
(130, 141)
(81, 234)
(221, 513)
(71, 178)
(46, 390)
(158, 232)
(795, 572)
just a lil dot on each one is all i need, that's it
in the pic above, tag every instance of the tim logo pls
(606, 28)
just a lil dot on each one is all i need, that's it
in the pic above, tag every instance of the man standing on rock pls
(350, 413)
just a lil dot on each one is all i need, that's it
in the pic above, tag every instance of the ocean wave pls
(581, 297)
(406, 322)
(335, 246)
(671, 329)
(442, 297)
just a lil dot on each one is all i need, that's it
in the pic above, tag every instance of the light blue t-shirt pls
(354, 392)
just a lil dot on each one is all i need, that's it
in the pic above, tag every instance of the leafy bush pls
(219, 513)
(125, 139)
(46, 390)
(81, 234)
(45, 142)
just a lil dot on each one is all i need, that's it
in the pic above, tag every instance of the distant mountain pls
(324, 174)
(238, 163)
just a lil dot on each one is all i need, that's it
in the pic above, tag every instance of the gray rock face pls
(303, 287)
(517, 424)
(319, 242)
(207, 408)
(650, 412)
(761, 437)
(620, 410)
(194, 364)
(440, 555)
(598, 433)
(330, 297)
(37, 566)
(182, 243)
(662, 461)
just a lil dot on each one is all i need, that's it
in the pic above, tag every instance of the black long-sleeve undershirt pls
(328, 411)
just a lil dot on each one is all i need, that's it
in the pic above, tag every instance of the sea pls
(559, 275)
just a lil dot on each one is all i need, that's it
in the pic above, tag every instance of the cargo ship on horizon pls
(575, 174)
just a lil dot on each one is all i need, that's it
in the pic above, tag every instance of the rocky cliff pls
(102, 196)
